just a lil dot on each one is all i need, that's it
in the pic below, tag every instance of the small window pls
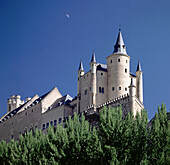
(125, 70)
(119, 60)
(55, 122)
(85, 92)
(113, 88)
(110, 61)
(126, 61)
(32, 110)
(12, 136)
(51, 122)
(43, 127)
(102, 90)
(90, 88)
(119, 88)
(102, 74)
(47, 125)
(125, 89)
(59, 121)
(25, 113)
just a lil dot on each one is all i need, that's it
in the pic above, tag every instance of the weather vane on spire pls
(119, 27)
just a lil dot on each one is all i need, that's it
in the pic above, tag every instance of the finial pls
(93, 59)
(138, 67)
(119, 28)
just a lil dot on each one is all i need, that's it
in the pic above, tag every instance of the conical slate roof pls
(119, 46)
(81, 66)
(138, 67)
(93, 59)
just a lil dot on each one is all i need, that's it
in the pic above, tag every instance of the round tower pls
(93, 68)
(118, 69)
(139, 83)
(80, 74)
(132, 92)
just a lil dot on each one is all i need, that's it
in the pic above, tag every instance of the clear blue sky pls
(41, 48)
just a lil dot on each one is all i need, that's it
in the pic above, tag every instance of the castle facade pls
(110, 84)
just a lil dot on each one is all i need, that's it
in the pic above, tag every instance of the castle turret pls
(132, 92)
(93, 83)
(80, 74)
(14, 102)
(118, 68)
(139, 83)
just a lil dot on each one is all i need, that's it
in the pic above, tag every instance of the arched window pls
(51, 122)
(85, 92)
(59, 121)
(102, 89)
(113, 88)
(55, 122)
(47, 125)
(43, 127)
(119, 60)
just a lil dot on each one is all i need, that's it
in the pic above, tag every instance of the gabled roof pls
(119, 46)
(11, 113)
(101, 67)
(64, 100)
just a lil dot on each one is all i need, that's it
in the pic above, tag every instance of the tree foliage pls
(115, 141)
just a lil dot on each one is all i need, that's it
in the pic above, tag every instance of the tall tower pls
(132, 92)
(93, 81)
(118, 67)
(139, 83)
(80, 74)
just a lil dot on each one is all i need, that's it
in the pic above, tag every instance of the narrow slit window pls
(100, 89)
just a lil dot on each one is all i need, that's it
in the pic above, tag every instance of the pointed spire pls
(120, 46)
(93, 59)
(138, 67)
(81, 66)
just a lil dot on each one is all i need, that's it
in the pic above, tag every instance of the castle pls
(110, 84)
